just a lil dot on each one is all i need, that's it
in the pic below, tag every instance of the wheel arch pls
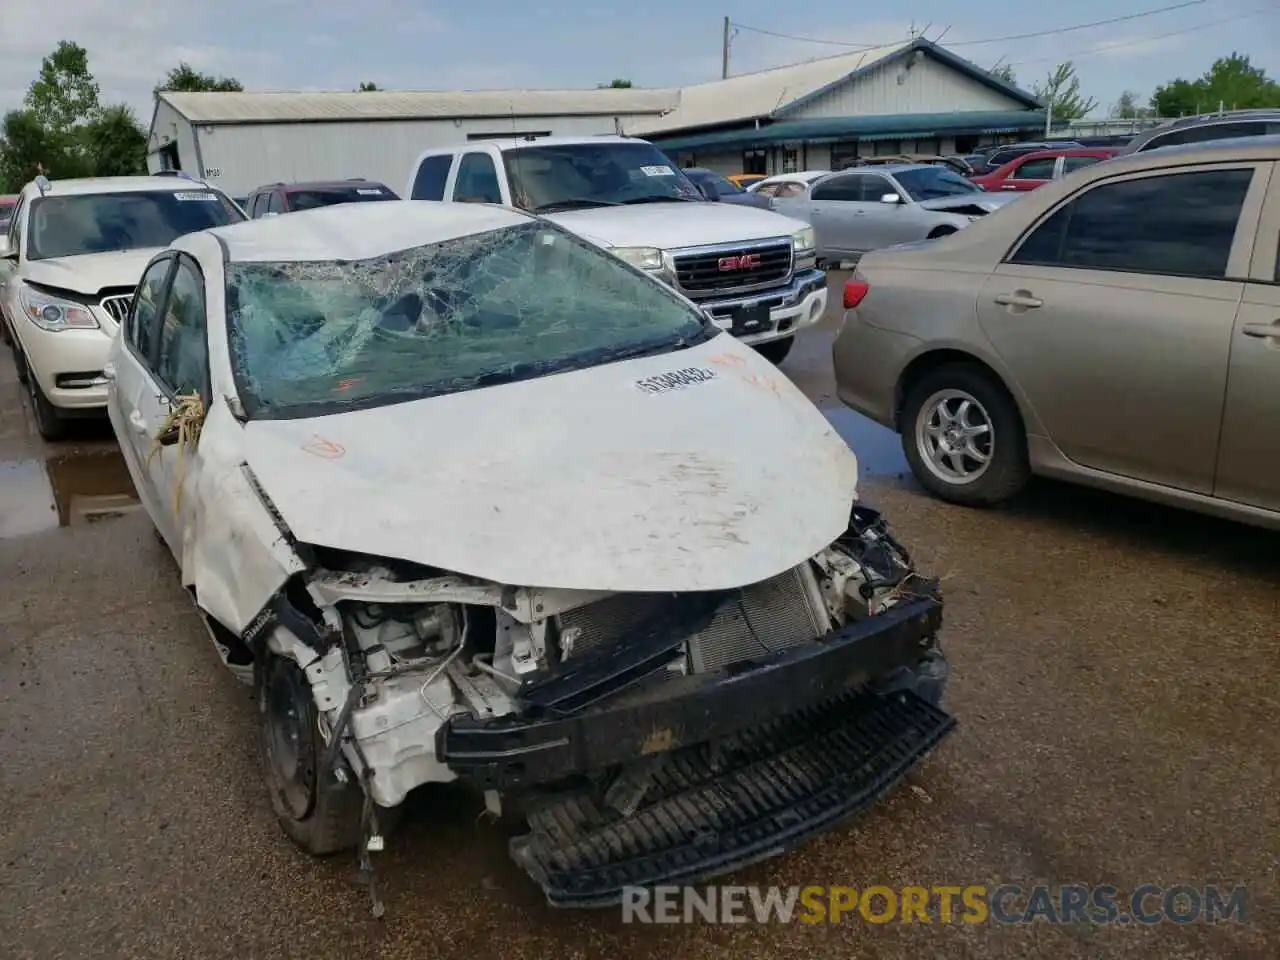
(941, 357)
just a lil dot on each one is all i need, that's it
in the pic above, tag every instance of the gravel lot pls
(1115, 674)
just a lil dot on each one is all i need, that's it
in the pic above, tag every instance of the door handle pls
(1263, 331)
(1008, 186)
(1020, 299)
(137, 422)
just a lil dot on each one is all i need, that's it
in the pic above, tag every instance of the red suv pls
(1033, 170)
(291, 197)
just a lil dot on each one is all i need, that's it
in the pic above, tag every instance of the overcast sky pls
(327, 45)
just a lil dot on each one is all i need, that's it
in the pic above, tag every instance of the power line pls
(969, 43)
(1120, 44)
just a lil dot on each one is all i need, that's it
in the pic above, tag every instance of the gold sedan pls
(1119, 328)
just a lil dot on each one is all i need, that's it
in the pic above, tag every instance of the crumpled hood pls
(91, 272)
(987, 201)
(678, 224)
(702, 469)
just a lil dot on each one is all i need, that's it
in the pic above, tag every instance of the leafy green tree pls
(25, 148)
(1233, 81)
(185, 78)
(367, 86)
(117, 143)
(64, 97)
(1060, 92)
(1128, 108)
(619, 84)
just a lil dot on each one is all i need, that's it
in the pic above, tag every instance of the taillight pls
(855, 291)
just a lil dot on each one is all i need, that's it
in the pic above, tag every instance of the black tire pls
(775, 351)
(48, 421)
(1008, 469)
(316, 812)
(937, 232)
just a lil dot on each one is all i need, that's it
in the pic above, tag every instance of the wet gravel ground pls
(1114, 677)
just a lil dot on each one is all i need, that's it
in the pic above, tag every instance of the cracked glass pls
(309, 338)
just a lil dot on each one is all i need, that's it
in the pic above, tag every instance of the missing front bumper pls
(715, 807)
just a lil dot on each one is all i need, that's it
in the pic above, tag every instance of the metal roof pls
(768, 93)
(284, 106)
(881, 126)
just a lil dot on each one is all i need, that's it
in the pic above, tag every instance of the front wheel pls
(775, 351)
(963, 436)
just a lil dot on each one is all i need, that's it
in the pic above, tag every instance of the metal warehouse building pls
(912, 98)
(243, 140)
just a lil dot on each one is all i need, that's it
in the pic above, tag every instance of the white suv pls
(69, 263)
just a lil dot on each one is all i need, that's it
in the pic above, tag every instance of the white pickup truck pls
(751, 270)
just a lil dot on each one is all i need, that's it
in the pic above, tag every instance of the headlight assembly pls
(803, 240)
(646, 258)
(53, 313)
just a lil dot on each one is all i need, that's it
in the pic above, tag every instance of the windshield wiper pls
(659, 199)
(573, 203)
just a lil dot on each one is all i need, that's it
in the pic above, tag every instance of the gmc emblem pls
(747, 261)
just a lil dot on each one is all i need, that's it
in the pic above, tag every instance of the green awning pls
(901, 126)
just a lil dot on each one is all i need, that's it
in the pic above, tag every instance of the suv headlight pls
(802, 240)
(646, 258)
(54, 313)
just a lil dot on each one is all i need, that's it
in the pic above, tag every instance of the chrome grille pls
(774, 614)
(117, 306)
(706, 273)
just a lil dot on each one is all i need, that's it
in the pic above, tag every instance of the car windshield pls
(313, 197)
(106, 222)
(309, 338)
(724, 186)
(582, 175)
(934, 183)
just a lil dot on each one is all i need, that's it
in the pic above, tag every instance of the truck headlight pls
(53, 313)
(646, 258)
(802, 240)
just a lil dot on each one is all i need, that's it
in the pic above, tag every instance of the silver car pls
(867, 209)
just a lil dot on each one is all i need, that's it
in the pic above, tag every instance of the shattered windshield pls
(583, 175)
(934, 183)
(309, 338)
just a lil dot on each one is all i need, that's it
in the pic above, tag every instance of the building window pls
(843, 154)
(887, 148)
(927, 148)
(755, 161)
(790, 160)
(966, 144)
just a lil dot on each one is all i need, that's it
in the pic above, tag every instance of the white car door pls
(135, 405)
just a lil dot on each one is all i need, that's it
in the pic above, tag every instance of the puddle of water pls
(878, 449)
(65, 490)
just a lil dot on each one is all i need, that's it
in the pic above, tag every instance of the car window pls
(183, 348)
(933, 183)
(313, 197)
(1212, 131)
(274, 203)
(15, 227)
(477, 180)
(259, 205)
(140, 328)
(770, 190)
(473, 311)
(1180, 224)
(790, 190)
(725, 186)
(1075, 163)
(433, 172)
(1038, 169)
(847, 188)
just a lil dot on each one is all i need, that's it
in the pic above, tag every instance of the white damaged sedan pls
(468, 498)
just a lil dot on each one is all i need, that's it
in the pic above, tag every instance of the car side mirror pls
(5, 252)
(891, 198)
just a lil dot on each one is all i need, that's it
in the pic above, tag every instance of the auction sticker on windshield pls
(676, 380)
(212, 197)
(657, 171)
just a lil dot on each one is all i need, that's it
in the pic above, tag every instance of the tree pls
(1129, 108)
(1003, 71)
(117, 143)
(26, 149)
(185, 78)
(367, 86)
(1232, 81)
(619, 84)
(64, 96)
(1060, 93)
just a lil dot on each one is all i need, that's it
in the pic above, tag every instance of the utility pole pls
(1048, 118)
(724, 52)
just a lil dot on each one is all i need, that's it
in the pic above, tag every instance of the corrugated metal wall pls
(240, 157)
(926, 87)
(170, 126)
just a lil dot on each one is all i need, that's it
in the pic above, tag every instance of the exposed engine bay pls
(571, 707)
